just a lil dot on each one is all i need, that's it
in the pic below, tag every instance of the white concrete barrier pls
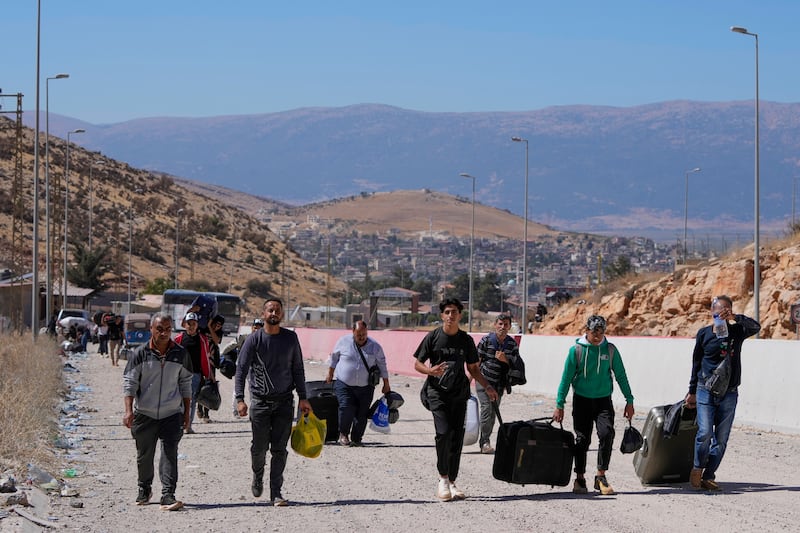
(658, 371)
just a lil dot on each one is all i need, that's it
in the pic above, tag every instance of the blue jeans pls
(714, 422)
(354, 404)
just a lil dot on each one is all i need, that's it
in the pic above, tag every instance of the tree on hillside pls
(90, 266)
(618, 268)
(158, 286)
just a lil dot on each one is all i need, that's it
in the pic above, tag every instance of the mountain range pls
(589, 168)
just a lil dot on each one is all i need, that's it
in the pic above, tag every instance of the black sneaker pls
(601, 484)
(258, 485)
(279, 501)
(145, 493)
(169, 503)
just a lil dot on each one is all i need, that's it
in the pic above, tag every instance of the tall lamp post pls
(177, 229)
(756, 250)
(48, 222)
(686, 210)
(794, 193)
(91, 198)
(66, 215)
(524, 242)
(471, 248)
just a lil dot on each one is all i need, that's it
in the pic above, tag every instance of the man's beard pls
(273, 320)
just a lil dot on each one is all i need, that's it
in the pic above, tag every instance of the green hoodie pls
(593, 378)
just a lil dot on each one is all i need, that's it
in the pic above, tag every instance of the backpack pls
(516, 367)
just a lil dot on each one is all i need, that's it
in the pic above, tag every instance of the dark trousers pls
(448, 422)
(586, 411)
(146, 432)
(354, 404)
(272, 425)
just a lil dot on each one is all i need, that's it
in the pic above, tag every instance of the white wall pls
(658, 371)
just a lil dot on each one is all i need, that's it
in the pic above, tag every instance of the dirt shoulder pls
(389, 484)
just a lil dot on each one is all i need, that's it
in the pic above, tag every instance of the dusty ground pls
(389, 484)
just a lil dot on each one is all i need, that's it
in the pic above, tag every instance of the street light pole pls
(48, 245)
(91, 201)
(686, 210)
(756, 249)
(524, 243)
(471, 249)
(66, 215)
(794, 193)
(35, 234)
(177, 229)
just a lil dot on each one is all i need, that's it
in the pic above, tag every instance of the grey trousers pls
(487, 413)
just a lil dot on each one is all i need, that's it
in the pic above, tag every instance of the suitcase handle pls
(500, 418)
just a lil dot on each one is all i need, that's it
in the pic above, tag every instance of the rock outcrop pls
(677, 304)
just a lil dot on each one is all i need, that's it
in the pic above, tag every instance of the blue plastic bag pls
(380, 418)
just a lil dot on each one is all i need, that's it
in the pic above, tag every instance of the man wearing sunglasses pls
(157, 388)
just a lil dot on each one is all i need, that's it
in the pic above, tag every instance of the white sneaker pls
(456, 493)
(443, 490)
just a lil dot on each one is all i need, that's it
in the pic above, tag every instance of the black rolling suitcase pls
(325, 406)
(663, 459)
(533, 452)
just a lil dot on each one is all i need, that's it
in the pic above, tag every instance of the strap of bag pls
(364, 359)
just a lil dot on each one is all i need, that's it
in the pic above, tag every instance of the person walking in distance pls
(157, 391)
(494, 352)
(441, 356)
(588, 369)
(715, 412)
(271, 362)
(349, 363)
(197, 345)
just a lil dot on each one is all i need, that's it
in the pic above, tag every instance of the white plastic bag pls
(472, 422)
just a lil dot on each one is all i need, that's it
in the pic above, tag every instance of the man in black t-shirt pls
(446, 390)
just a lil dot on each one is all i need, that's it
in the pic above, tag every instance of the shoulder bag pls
(374, 372)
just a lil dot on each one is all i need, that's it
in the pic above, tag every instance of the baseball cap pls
(191, 316)
(258, 322)
(596, 322)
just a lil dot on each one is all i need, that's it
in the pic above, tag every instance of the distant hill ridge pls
(592, 168)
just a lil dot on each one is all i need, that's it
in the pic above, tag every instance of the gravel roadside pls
(388, 485)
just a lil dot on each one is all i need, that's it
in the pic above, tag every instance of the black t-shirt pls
(457, 349)
(192, 345)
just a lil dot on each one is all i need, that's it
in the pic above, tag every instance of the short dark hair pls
(451, 301)
(503, 317)
(273, 299)
(358, 323)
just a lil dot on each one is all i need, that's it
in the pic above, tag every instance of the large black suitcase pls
(533, 452)
(663, 460)
(325, 406)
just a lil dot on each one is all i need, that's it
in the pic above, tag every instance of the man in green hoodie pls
(588, 369)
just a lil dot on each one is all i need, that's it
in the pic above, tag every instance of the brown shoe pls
(696, 477)
(601, 484)
(710, 484)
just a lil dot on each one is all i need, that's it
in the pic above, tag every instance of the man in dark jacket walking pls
(715, 413)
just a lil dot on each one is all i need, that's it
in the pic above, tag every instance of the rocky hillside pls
(676, 305)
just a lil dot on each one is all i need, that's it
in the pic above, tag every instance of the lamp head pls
(60, 76)
(518, 139)
(739, 29)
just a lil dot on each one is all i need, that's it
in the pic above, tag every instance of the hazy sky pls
(200, 58)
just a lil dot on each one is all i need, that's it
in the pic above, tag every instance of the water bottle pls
(720, 327)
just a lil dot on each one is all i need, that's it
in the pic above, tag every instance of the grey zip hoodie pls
(158, 383)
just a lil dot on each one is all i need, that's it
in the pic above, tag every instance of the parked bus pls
(176, 303)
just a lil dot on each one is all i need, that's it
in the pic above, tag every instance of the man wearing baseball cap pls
(199, 348)
(590, 363)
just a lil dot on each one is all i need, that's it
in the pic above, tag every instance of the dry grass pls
(30, 383)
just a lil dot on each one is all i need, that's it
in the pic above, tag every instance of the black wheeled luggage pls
(325, 406)
(533, 452)
(662, 459)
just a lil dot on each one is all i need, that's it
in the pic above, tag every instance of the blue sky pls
(194, 58)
